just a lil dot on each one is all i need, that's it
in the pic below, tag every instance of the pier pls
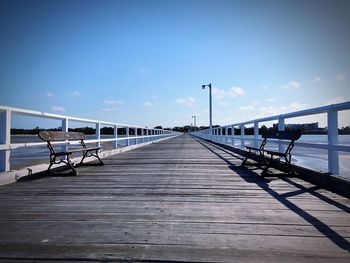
(181, 199)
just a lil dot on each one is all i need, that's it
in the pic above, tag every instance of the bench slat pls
(252, 148)
(78, 150)
(50, 136)
(61, 136)
(290, 136)
(283, 135)
(275, 153)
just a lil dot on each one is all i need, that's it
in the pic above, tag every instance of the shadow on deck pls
(183, 199)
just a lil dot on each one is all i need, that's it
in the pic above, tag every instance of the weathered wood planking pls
(177, 200)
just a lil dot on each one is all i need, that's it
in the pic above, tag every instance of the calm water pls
(27, 156)
(312, 158)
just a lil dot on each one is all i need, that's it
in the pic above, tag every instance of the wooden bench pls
(52, 136)
(270, 157)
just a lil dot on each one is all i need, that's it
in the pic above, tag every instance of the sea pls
(315, 159)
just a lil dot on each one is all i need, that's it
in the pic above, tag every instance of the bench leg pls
(82, 159)
(290, 167)
(246, 158)
(52, 162)
(268, 164)
(68, 162)
(71, 165)
(85, 154)
(98, 157)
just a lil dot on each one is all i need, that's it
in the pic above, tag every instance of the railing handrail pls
(310, 111)
(147, 134)
(62, 117)
(332, 144)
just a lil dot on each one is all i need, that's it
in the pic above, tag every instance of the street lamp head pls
(203, 86)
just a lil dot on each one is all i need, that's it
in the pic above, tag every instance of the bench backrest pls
(283, 135)
(50, 136)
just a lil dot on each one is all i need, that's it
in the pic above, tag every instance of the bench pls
(268, 157)
(52, 136)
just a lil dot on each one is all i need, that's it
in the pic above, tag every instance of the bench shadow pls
(56, 172)
(64, 171)
(89, 164)
(262, 182)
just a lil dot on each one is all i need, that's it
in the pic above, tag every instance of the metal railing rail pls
(141, 134)
(331, 146)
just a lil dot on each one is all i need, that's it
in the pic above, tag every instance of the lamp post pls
(210, 111)
(195, 125)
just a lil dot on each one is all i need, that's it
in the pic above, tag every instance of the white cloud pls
(265, 87)
(267, 111)
(255, 102)
(335, 100)
(225, 103)
(296, 106)
(73, 93)
(236, 91)
(316, 79)
(218, 93)
(292, 85)
(49, 94)
(270, 99)
(247, 108)
(232, 92)
(108, 109)
(113, 102)
(58, 109)
(189, 101)
(340, 76)
(154, 96)
(147, 104)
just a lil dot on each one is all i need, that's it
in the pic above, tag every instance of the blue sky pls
(143, 62)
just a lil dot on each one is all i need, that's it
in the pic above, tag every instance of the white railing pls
(331, 146)
(140, 135)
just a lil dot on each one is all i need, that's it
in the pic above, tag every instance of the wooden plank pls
(177, 200)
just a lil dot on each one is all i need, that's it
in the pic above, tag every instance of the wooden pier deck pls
(177, 200)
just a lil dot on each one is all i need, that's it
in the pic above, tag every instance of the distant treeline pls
(262, 130)
(122, 131)
(85, 130)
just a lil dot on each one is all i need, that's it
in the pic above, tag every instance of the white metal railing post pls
(242, 135)
(5, 138)
(281, 127)
(127, 135)
(98, 134)
(65, 128)
(256, 134)
(233, 135)
(332, 129)
(115, 137)
(135, 136)
(226, 135)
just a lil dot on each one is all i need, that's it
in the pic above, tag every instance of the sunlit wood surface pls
(178, 200)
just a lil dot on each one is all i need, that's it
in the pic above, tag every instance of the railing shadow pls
(261, 182)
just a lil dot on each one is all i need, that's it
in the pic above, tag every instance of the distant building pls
(305, 127)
